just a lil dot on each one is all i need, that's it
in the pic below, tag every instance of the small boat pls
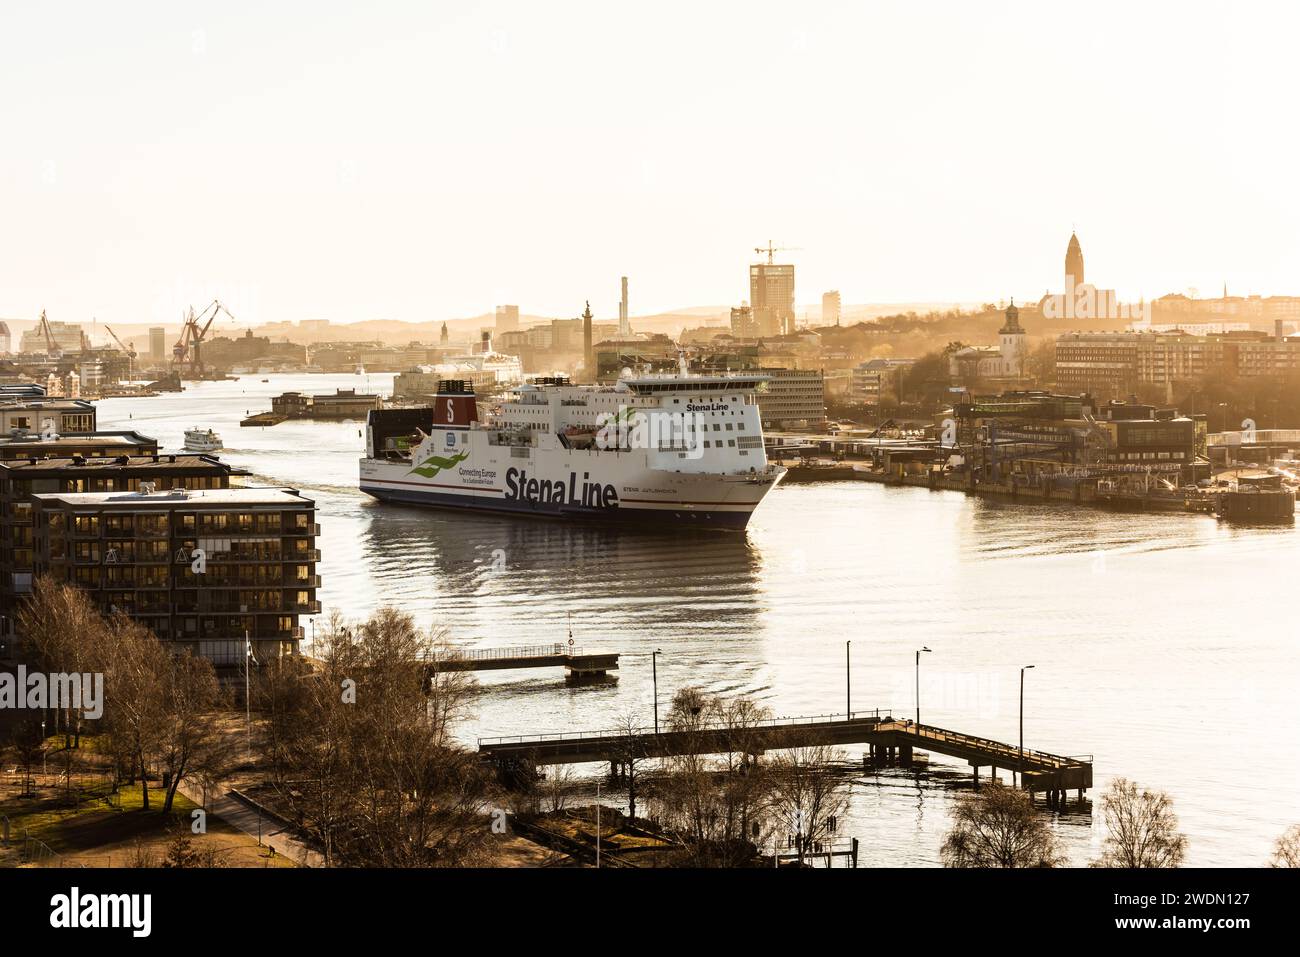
(202, 440)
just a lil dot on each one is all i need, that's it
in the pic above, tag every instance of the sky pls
(425, 161)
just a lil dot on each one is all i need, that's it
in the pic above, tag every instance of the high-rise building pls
(157, 343)
(831, 307)
(6, 341)
(624, 324)
(1073, 263)
(771, 297)
(507, 318)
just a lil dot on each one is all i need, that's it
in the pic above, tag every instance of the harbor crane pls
(129, 349)
(51, 347)
(194, 331)
(770, 249)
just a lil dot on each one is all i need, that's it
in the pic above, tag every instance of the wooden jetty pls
(890, 741)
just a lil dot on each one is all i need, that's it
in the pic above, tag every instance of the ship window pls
(706, 443)
(731, 442)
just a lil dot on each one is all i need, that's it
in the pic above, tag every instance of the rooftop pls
(286, 497)
(165, 462)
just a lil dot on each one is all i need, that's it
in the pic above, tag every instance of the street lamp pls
(654, 674)
(918, 682)
(1020, 769)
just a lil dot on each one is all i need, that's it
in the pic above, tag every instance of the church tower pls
(443, 336)
(1011, 343)
(1073, 263)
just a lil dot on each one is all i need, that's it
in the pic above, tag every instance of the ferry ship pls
(202, 440)
(677, 449)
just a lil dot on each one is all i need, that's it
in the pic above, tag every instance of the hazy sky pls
(427, 160)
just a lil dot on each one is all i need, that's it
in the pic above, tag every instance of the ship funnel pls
(454, 406)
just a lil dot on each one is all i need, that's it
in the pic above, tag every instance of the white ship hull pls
(599, 486)
(660, 450)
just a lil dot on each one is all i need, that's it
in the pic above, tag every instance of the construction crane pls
(770, 249)
(128, 349)
(51, 347)
(193, 333)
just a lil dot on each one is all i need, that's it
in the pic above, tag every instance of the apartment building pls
(201, 568)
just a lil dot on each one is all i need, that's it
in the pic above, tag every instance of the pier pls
(579, 666)
(890, 741)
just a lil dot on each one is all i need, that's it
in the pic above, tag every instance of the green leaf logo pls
(436, 463)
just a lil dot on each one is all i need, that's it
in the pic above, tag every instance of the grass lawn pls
(98, 835)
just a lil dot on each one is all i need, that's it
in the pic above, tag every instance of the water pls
(1162, 644)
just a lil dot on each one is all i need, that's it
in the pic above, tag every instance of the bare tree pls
(190, 740)
(630, 755)
(136, 676)
(66, 634)
(808, 797)
(714, 795)
(1141, 828)
(999, 827)
(1286, 853)
(363, 749)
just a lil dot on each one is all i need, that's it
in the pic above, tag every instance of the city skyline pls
(948, 166)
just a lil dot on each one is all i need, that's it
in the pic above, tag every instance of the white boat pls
(202, 440)
(679, 449)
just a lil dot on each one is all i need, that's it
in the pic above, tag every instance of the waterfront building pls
(201, 568)
(30, 445)
(45, 415)
(6, 338)
(1034, 432)
(341, 404)
(793, 399)
(21, 478)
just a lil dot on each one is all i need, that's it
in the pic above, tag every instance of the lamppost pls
(848, 682)
(1020, 765)
(654, 677)
(918, 681)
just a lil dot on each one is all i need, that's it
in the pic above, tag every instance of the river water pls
(1163, 644)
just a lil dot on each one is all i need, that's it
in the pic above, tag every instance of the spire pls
(1074, 262)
